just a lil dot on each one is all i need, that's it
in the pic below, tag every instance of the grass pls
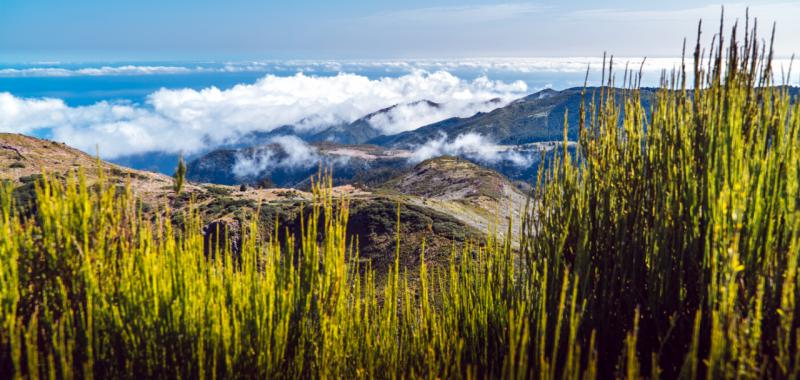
(684, 227)
(663, 246)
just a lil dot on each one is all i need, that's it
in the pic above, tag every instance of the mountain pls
(435, 213)
(535, 118)
(159, 162)
(283, 165)
(525, 125)
(481, 197)
(353, 133)
(448, 178)
(523, 129)
(23, 159)
(362, 130)
(292, 165)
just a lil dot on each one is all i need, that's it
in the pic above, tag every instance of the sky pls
(102, 30)
(135, 77)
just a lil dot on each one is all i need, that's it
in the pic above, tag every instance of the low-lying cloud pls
(473, 146)
(97, 71)
(408, 116)
(286, 152)
(195, 120)
(401, 66)
(499, 65)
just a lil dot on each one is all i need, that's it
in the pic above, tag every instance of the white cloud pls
(492, 65)
(519, 65)
(51, 70)
(26, 115)
(469, 145)
(409, 116)
(294, 153)
(96, 71)
(192, 121)
(253, 163)
(546, 64)
(298, 153)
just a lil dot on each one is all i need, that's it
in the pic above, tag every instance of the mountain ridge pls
(537, 117)
(440, 222)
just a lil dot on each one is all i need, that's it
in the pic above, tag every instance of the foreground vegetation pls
(664, 247)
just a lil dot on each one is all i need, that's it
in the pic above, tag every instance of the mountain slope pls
(23, 159)
(372, 213)
(356, 132)
(476, 195)
(362, 130)
(285, 166)
(534, 118)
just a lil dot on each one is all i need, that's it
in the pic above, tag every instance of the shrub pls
(219, 190)
(180, 176)
(662, 246)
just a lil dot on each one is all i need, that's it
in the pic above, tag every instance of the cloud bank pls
(473, 146)
(291, 153)
(96, 71)
(192, 121)
(511, 65)
(408, 116)
(497, 65)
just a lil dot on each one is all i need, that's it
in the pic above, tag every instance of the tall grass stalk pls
(665, 245)
(682, 222)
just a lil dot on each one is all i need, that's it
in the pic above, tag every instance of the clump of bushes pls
(219, 190)
(117, 172)
(223, 205)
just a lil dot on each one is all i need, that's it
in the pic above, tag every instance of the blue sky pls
(251, 29)
(132, 77)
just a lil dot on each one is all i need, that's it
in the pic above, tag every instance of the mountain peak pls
(449, 177)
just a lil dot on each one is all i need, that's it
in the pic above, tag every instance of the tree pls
(179, 176)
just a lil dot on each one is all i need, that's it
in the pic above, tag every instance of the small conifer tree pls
(179, 176)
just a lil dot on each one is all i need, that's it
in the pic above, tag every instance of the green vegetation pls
(680, 235)
(179, 176)
(117, 172)
(662, 247)
(219, 190)
(223, 205)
